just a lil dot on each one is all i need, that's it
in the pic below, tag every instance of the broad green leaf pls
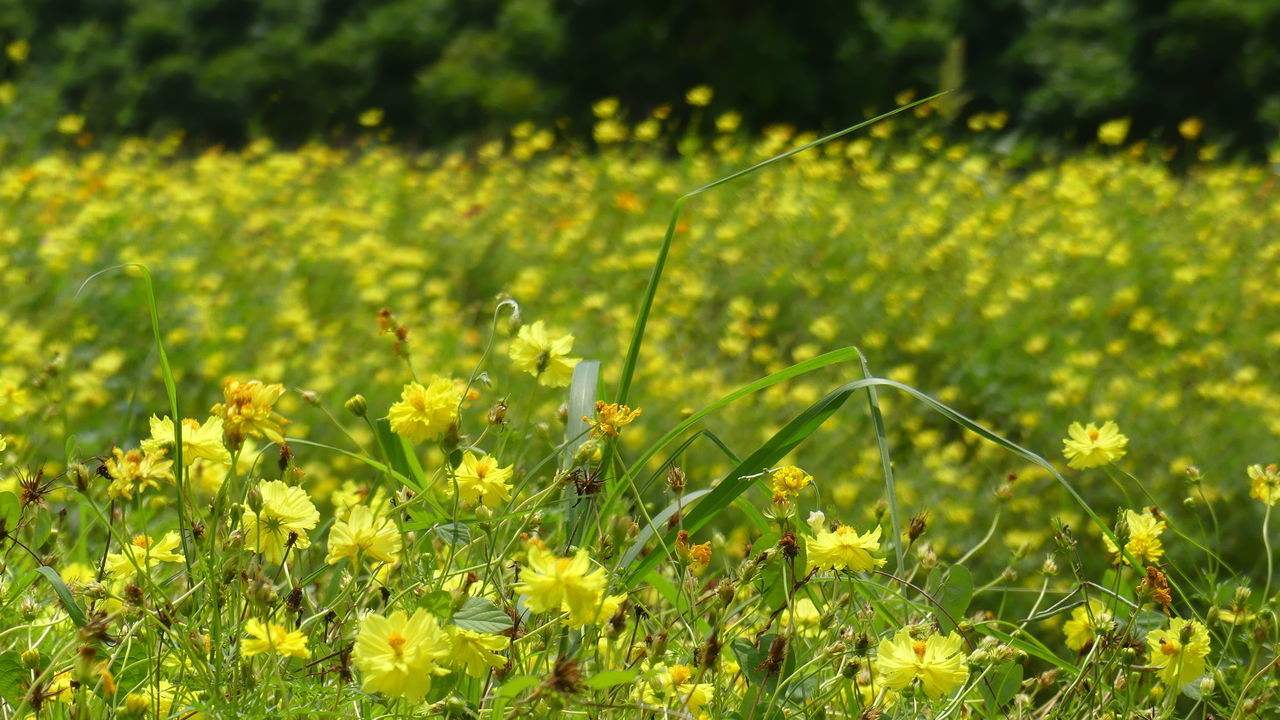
(454, 533)
(481, 615)
(73, 608)
(10, 511)
(954, 597)
(1002, 684)
(436, 602)
(12, 674)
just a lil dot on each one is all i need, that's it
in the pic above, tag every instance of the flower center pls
(1169, 647)
(918, 647)
(142, 541)
(1093, 435)
(396, 641)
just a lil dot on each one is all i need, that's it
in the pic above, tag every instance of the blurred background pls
(433, 71)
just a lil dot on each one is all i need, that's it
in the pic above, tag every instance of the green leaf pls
(454, 533)
(509, 691)
(954, 596)
(609, 678)
(1002, 684)
(12, 674)
(73, 608)
(481, 615)
(436, 602)
(1146, 621)
(10, 511)
(394, 449)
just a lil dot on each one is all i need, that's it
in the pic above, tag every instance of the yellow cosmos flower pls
(1086, 624)
(1264, 483)
(286, 511)
(1179, 652)
(611, 418)
(247, 411)
(135, 471)
(481, 481)
(605, 607)
(552, 583)
(699, 96)
(398, 654)
(789, 480)
(937, 661)
(364, 533)
(671, 687)
(143, 553)
(1113, 132)
(426, 413)
(475, 653)
(1144, 537)
(199, 442)
(844, 549)
(805, 617)
(270, 637)
(1090, 446)
(546, 357)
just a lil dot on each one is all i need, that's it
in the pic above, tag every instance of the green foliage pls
(226, 71)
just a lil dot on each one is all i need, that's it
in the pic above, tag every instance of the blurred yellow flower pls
(1264, 483)
(1086, 624)
(552, 583)
(1191, 128)
(70, 124)
(18, 51)
(1114, 132)
(143, 553)
(699, 96)
(270, 637)
(475, 653)
(371, 118)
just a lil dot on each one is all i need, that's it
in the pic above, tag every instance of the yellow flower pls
(605, 607)
(371, 117)
(481, 481)
(728, 122)
(561, 583)
(1144, 537)
(938, 662)
(135, 471)
(270, 637)
(672, 687)
(611, 418)
(699, 96)
(476, 652)
(546, 357)
(143, 553)
(1086, 624)
(398, 654)
(844, 549)
(805, 616)
(790, 480)
(199, 442)
(1264, 483)
(1191, 128)
(426, 413)
(1113, 132)
(352, 494)
(18, 51)
(70, 124)
(1179, 652)
(286, 511)
(364, 533)
(1089, 446)
(247, 411)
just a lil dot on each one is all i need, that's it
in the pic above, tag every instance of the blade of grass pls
(655, 276)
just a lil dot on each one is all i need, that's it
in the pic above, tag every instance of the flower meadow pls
(896, 426)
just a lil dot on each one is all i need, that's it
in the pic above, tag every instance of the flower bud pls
(357, 405)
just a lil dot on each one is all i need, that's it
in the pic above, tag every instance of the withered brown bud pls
(498, 413)
(676, 479)
(916, 527)
(286, 458)
(787, 544)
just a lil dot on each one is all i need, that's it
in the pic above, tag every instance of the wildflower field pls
(896, 427)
